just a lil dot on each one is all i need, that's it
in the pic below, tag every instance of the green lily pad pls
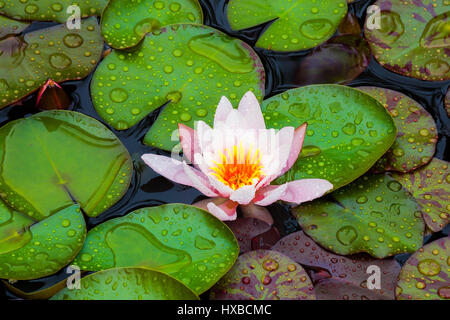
(416, 131)
(425, 275)
(27, 62)
(447, 102)
(42, 249)
(264, 275)
(9, 26)
(374, 214)
(339, 277)
(125, 22)
(298, 25)
(188, 243)
(430, 186)
(348, 131)
(128, 284)
(52, 158)
(189, 66)
(50, 10)
(413, 38)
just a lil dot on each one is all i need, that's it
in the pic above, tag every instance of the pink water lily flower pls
(235, 162)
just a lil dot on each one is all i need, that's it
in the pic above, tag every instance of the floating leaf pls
(347, 131)
(346, 276)
(416, 131)
(54, 157)
(253, 234)
(50, 10)
(374, 214)
(191, 66)
(447, 102)
(27, 62)
(42, 249)
(297, 25)
(350, 25)
(264, 275)
(10, 27)
(426, 274)
(188, 243)
(430, 186)
(128, 284)
(125, 22)
(413, 38)
(339, 60)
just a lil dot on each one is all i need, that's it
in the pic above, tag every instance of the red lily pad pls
(426, 274)
(253, 234)
(413, 38)
(264, 275)
(416, 139)
(339, 277)
(430, 186)
(339, 60)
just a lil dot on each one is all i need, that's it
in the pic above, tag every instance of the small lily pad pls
(346, 276)
(297, 25)
(50, 10)
(27, 62)
(413, 38)
(125, 22)
(42, 249)
(416, 131)
(128, 284)
(10, 27)
(430, 186)
(425, 275)
(264, 275)
(52, 158)
(348, 131)
(373, 214)
(190, 67)
(188, 243)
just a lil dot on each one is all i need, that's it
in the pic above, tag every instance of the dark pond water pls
(149, 189)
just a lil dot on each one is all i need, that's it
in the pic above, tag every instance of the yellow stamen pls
(238, 167)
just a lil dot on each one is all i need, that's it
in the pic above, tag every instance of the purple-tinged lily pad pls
(430, 185)
(416, 131)
(10, 27)
(27, 62)
(51, 10)
(339, 60)
(413, 38)
(346, 276)
(297, 25)
(373, 214)
(125, 22)
(253, 234)
(426, 274)
(264, 275)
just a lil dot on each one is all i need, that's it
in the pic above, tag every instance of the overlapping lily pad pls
(297, 25)
(186, 242)
(345, 277)
(125, 22)
(413, 38)
(9, 26)
(53, 158)
(374, 214)
(430, 186)
(264, 275)
(426, 274)
(128, 284)
(347, 131)
(42, 249)
(190, 67)
(50, 10)
(416, 131)
(27, 62)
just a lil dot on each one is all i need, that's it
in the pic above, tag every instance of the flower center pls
(239, 167)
